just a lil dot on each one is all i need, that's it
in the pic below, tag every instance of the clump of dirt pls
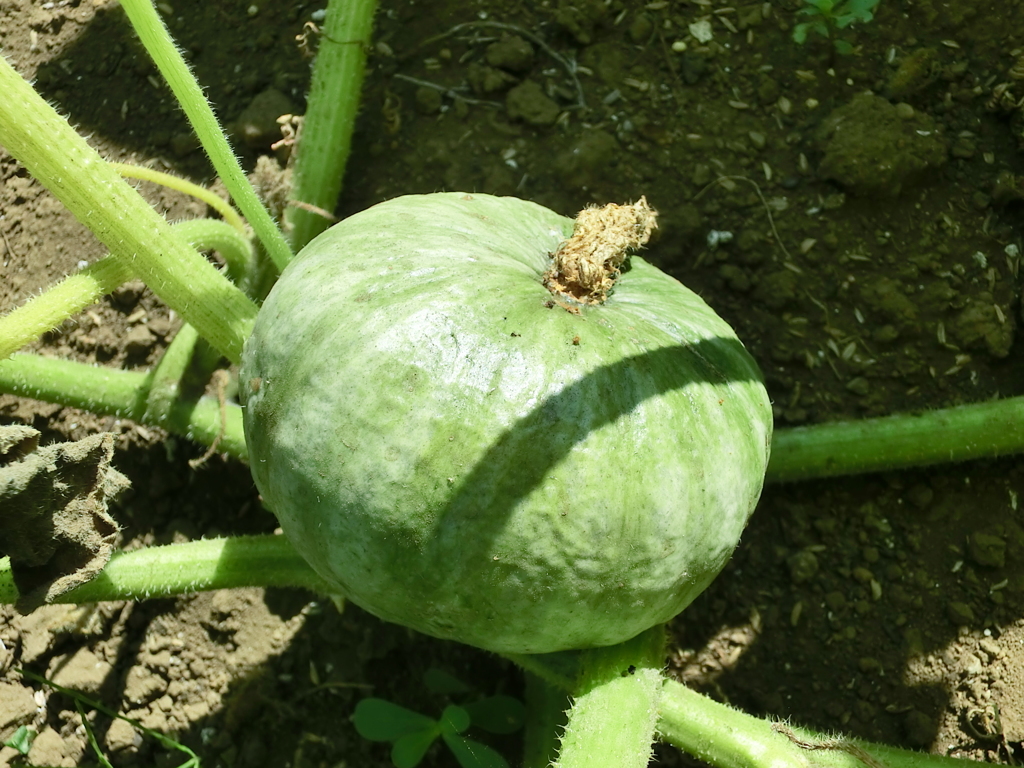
(56, 528)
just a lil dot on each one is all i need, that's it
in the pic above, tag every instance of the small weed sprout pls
(21, 740)
(81, 702)
(827, 17)
(412, 733)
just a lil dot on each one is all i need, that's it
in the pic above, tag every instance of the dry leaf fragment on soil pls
(55, 525)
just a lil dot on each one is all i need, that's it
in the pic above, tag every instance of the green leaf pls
(800, 30)
(823, 7)
(855, 10)
(843, 47)
(454, 719)
(410, 748)
(439, 681)
(862, 8)
(380, 720)
(473, 754)
(21, 739)
(497, 714)
(821, 28)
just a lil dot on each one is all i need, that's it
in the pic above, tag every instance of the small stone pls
(802, 566)
(959, 613)
(257, 126)
(125, 296)
(1007, 188)
(139, 341)
(17, 707)
(122, 737)
(904, 111)
(777, 289)
(83, 671)
(484, 79)
(914, 73)
(920, 496)
(428, 100)
(752, 17)
(914, 639)
(768, 91)
(987, 549)
(735, 277)
(991, 647)
(641, 28)
(692, 68)
(963, 148)
(978, 327)
(528, 102)
(142, 686)
(47, 749)
(161, 326)
(859, 386)
(702, 31)
(512, 53)
(836, 601)
(885, 333)
(863, 575)
(866, 711)
(184, 144)
(918, 729)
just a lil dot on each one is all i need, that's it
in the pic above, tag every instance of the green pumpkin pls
(461, 452)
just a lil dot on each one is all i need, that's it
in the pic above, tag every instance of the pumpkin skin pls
(458, 453)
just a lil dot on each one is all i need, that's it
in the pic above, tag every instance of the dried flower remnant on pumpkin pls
(586, 266)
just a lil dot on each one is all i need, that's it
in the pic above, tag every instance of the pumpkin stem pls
(586, 266)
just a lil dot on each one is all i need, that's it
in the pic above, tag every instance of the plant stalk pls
(728, 738)
(33, 132)
(195, 566)
(49, 309)
(326, 135)
(961, 433)
(168, 59)
(979, 430)
(221, 206)
(123, 394)
(615, 705)
(74, 293)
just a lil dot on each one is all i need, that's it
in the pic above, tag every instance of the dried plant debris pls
(586, 266)
(54, 522)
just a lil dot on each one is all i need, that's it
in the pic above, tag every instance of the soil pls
(857, 218)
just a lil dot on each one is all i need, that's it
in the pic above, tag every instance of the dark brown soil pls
(865, 244)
